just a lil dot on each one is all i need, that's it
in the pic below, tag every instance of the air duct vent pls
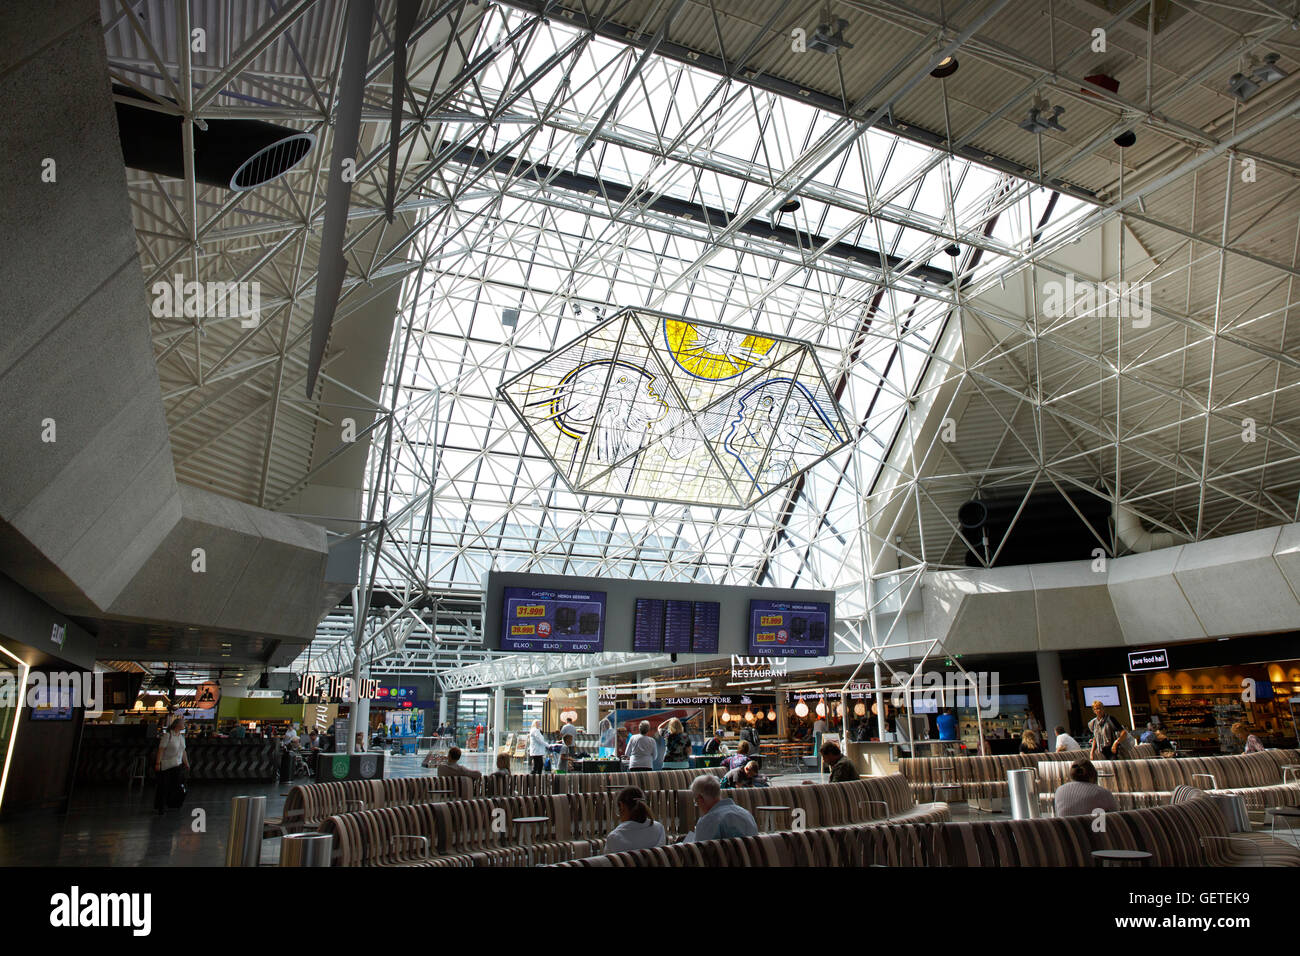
(231, 154)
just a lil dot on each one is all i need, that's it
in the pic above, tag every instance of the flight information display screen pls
(789, 629)
(675, 627)
(679, 622)
(705, 637)
(648, 626)
(556, 620)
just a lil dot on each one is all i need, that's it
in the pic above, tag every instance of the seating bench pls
(1175, 835)
(477, 831)
(1256, 777)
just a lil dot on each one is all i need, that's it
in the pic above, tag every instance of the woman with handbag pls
(169, 764)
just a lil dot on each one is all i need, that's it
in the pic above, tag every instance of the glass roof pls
(613, 185)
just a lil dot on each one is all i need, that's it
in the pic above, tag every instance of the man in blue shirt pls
(719, 816)
(947, 724)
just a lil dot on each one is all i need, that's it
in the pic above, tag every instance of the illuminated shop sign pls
(1148, 660)
(337, 688)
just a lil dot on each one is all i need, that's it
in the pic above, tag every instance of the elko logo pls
(75, 909)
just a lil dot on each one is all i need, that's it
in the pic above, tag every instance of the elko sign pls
(1148, 660)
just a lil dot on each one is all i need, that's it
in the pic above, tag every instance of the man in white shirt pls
(568, 730)
(536, 746)
(720, 817)
(1065, 742)
(290, 737)
(641, 749)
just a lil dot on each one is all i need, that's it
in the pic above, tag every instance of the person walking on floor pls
(536, 747)
(1110, 740)
(169, 764)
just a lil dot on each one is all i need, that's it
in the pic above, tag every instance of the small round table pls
(525, 834)
(1287, 813)
(769, 812)
(1121, 857)
(947, 792)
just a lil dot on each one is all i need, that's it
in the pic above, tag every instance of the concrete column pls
(1049, 681)
(498, 721)
(593, 704)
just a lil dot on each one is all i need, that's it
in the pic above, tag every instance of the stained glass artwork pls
(652, 406)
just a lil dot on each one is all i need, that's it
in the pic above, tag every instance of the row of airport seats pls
(981, 777)
(480, 831)
(307, 805)
(1191, 832)
(1257, 777)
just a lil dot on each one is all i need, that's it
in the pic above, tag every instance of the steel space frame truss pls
(441, 507)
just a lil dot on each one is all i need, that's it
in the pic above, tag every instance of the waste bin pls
(286, 765)
(1023, 788)
(306, 849)
(244, 842)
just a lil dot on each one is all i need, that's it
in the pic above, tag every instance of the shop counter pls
(109, 759)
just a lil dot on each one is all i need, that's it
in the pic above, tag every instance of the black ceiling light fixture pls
(952, 249)
(947, 67)
(1126, 139)
(790, 205)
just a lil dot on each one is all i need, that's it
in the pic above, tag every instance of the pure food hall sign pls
(1148, 660)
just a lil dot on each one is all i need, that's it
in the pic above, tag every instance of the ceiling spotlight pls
(829, 37)
(1242, 87)
(1268, 72)
(1126, 139)
(947, 67)
(790, 205)
(952, 249)
(1039, 120)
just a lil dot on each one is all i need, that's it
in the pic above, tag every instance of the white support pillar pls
(442, 708)
(498, 721)
(360, 724)
(880, 704)
(593, 704)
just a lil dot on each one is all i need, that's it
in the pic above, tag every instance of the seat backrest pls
(1172, 834)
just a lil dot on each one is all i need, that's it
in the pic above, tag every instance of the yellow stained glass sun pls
(713, 353)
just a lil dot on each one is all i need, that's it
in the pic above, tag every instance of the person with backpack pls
(1110, 741)
(170, 764)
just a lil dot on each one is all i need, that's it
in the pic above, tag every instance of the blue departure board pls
(679, 624)
(648, 626)
(704, 639)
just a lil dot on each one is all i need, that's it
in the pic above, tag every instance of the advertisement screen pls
(1108, 694)
(789, 629)
(559, 620)
(52, 703)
